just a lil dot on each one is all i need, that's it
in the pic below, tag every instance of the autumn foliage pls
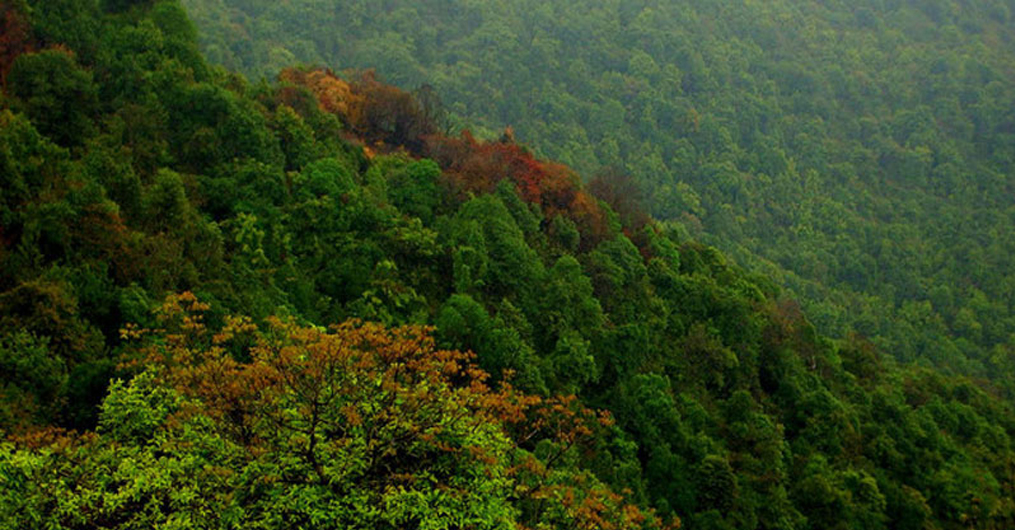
(333, 94)
(472, 166)
(376, 113)
(375, 410)
(622, 193)
(383, 116)
(131, 169)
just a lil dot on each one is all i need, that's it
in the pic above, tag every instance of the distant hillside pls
(859, 152)
(303, 304)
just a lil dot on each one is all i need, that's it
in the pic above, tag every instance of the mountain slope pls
(173, 245)
(858, 152)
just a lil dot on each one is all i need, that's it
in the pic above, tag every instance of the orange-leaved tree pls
(386, 117)
(378, 114)
(285, 425)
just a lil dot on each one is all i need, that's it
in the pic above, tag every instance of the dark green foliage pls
(71, 23)
(296, 138)
(716, 484)
(121, 5)
(27, 163)
(860, 153)
(32, 382)
(513, 267)
(729, 407)
(58, 95)
(415, 190)
(465, 325)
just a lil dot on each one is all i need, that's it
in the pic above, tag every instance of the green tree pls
(57, 95)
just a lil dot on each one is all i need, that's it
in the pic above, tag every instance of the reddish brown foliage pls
(622, 193)
(391, 116)
(50, 438)
(102, 232)
(385, 117)
(789, 327)
(15, 36)
(307, 391)
(298, 98)
(477, 167)
(377, 113)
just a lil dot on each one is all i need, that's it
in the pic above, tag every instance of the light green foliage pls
(328, 177)
(133, 413)
(296, 138)
(358, 450)
(139, 478)
(729, 406)
(859, 152)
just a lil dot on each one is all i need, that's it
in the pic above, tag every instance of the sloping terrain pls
(860, 153)
(251, 303)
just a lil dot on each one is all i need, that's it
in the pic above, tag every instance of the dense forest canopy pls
(307, 303)
(861, 152)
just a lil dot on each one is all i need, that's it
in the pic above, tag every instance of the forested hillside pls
(861, 152)
(304, 304)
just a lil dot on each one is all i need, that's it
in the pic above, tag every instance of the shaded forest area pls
(303, 303)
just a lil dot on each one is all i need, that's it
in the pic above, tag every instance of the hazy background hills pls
(295, 301)
(859, 152)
